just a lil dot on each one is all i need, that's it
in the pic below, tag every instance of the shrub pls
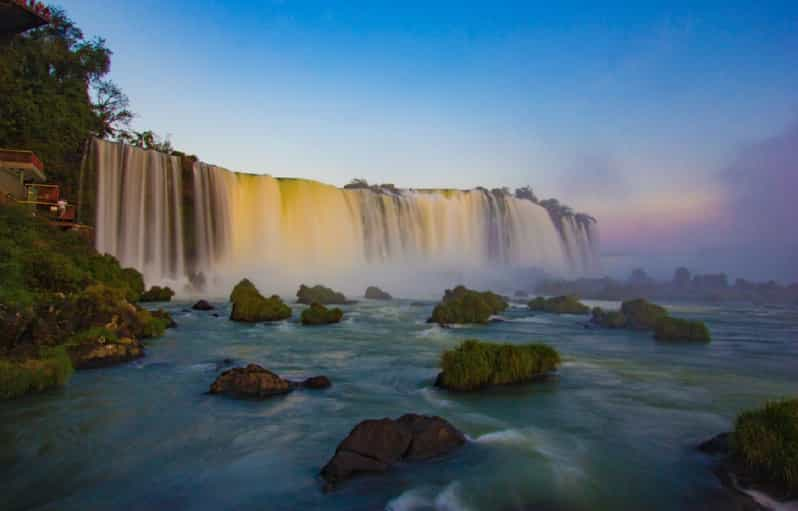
(608, 319)
(642, 314)
(476, 364)
(462, 305)
(157, 294)
(675, 329)
(765, 441)
(559, 305)
(318, 314)
(250, 306)
(319, 294)
(19, 377)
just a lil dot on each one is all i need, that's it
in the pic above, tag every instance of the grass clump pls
(319, 294)
(642, 314)
(476, 364)
(765, 441)
(462, 305)
(157, 294)
(318, 314)
(250, 306)
(676, 329)
(52, 368)
(568, 304)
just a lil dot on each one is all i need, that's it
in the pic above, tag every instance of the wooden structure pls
(17, 16)
(18, 168)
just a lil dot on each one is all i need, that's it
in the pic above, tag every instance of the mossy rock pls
(765, 444)
(676, 329)
(559, 305)
(461, 306)
(318, 314)
(52, 368)
(375, 293)
(476, 364)
(249, 306)
(608, 319)
(642, 314)
(157, 294)
(319, 294)
(101, 347)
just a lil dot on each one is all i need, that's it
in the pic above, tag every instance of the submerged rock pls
(254, 381)
(373, 446)
(375, 293)
(202, 305)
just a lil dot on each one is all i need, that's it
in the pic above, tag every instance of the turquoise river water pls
(614, 430)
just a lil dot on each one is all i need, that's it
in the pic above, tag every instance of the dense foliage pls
(157, 294)
(250, 306)
(559, 305)
(476, 364)
(318, 314)
(319, 294)
(676, 329)
(461, 305)
(766, 442)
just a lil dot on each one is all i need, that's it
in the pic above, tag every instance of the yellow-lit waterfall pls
(176, 221)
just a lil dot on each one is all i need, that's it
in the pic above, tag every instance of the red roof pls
(17, 16)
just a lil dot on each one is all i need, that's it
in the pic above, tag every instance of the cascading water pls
(175, 220)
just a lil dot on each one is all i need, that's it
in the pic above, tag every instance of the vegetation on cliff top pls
(765, 441)
(461, 305)
(476, 364)
(559, 305)
(318, 314)
(319, 294)
(250, 306)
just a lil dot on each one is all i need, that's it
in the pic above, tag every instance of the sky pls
(673, 123)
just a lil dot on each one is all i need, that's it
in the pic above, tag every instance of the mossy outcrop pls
(101, 347)
(318, 314)
(676, 329)
(462, 305)
(607, 319)
(319, 294)
(157, 294)
(375, 293)
(476, 364)
(249, 306)
(559, 305)
(641, 314)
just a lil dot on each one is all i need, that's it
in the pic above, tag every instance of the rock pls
(559, 305)
(250, 306)
(375, 445)
(432, 436)
(521, 294)
(250, 381)
(676, 329)
(375, 293)
(318, 314)
(319, 294)
(718, 444)
(103, 353)
(157, 294)
(461, 305)
(317, 382)
(202, 305)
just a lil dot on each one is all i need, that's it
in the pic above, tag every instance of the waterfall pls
(176, 220)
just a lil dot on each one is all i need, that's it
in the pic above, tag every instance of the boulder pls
(461, 306)
(318, 314)
(319, 294)
(249, 306)
(250, 381)
(375, 293)
(157, 294)
(104, 352)
(566, 304)
(202, 305)
(375, 445)
(317, 382)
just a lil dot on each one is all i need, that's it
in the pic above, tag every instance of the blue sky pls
(618, 108)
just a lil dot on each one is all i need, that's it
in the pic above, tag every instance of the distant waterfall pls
(175, 219)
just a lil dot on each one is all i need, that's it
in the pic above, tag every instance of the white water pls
(285, 231)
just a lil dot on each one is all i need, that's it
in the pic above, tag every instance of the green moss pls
(559, 305)
(766, 442)
(157, 294)
(150, 325)
(608, 319)
(250, 306)
(461, 305)
(675, 329)
(92, 335)
(318, 314)
(19, 377)
(319, 294)
(476, 364)
(642, 314)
